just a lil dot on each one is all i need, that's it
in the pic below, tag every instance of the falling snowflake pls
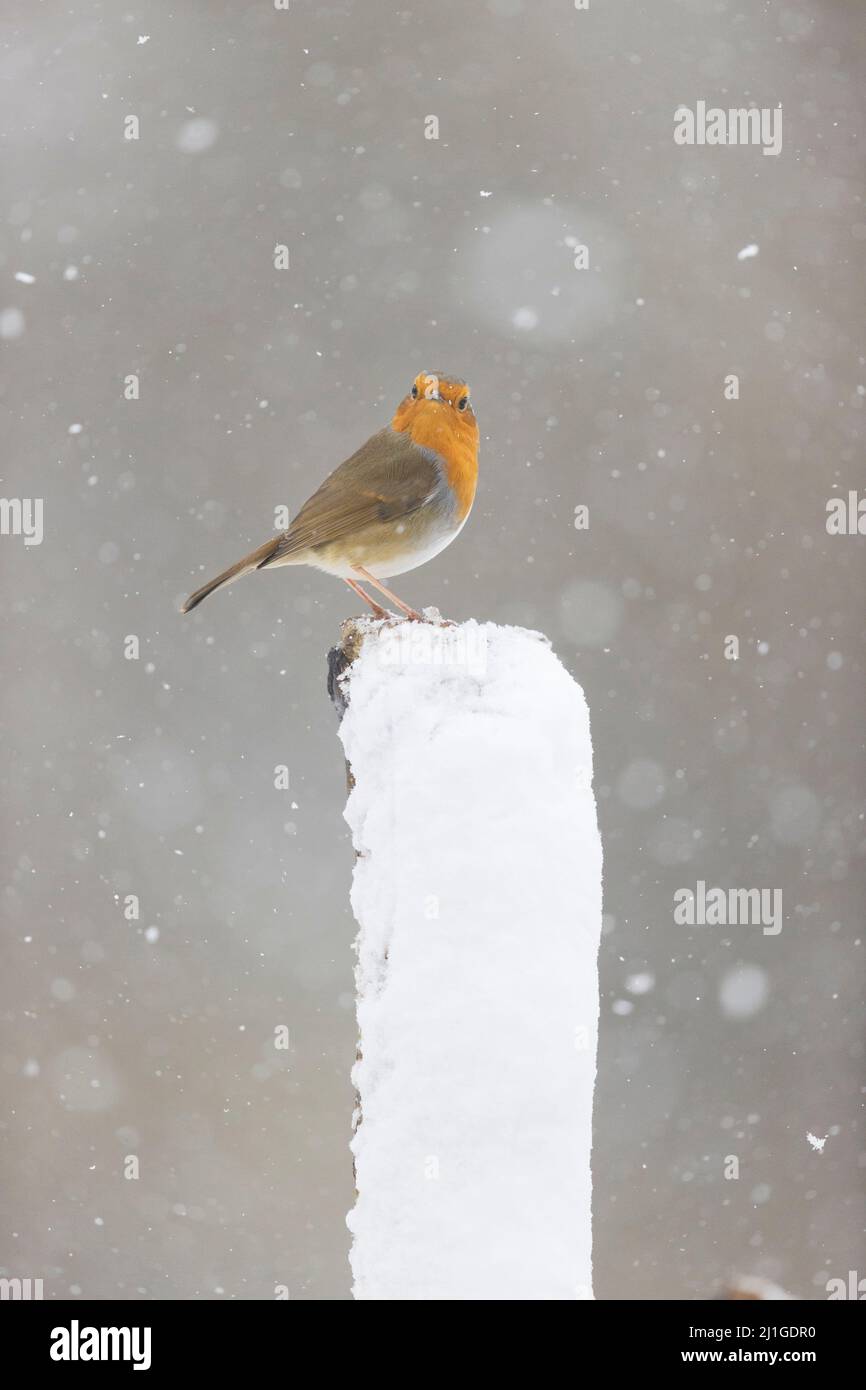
(817, 1144)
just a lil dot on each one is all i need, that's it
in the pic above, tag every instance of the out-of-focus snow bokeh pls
(154, 1038)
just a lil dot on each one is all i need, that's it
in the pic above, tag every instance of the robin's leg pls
(378, 610)
(404, 607)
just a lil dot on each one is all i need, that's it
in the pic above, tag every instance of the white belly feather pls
(396, 564)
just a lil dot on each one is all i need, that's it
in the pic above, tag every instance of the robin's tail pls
(250, 562)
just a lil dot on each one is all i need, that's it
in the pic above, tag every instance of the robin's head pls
(433, 395)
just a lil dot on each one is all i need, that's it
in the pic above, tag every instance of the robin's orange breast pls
(458, 452)
(453, 436)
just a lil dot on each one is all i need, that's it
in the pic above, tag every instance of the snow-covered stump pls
(477, 890)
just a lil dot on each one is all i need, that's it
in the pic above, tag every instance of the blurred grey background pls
(601, 387)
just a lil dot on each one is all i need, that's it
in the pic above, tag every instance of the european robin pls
(394, 504)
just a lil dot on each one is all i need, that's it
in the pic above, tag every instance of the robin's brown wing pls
(387, 479)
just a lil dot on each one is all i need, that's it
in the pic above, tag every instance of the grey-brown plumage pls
(391, 481)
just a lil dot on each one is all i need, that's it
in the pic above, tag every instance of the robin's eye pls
(463, 402)
(414, 393)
